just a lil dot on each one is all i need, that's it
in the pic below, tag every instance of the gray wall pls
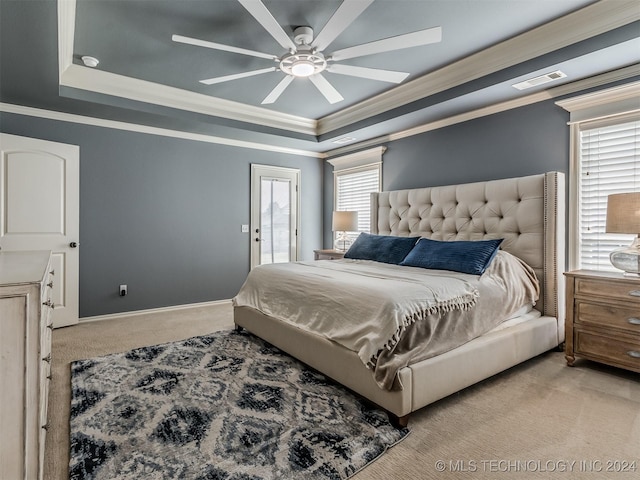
(524, 141)
(163, 215)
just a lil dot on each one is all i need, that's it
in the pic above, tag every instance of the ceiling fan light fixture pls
(302, 68)
(303, 64)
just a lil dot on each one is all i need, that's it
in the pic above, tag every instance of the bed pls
(528, 212)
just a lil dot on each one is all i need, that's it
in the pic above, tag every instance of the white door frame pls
(55, 192)
(291, 174)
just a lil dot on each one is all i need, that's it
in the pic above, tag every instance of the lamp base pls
(627, 259)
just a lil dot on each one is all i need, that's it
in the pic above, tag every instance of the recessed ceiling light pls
(90, 61)
(342, 140)
(542, 79)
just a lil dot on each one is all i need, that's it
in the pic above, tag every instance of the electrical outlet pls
(123, 290)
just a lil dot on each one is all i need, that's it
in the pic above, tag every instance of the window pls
(605, 159)
(609, 163)
(356, 176)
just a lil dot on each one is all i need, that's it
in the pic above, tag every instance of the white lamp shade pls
(623, 213)
(345, 221)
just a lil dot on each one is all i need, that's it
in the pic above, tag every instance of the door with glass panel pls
(274, 214)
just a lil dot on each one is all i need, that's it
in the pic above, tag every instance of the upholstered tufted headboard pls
(528, 212)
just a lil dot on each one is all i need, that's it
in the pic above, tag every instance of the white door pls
(39, 208)
(274, 214)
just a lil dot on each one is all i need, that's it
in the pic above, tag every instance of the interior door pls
(274, 214)
(39, 210)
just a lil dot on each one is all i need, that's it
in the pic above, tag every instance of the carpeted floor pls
(540, 419)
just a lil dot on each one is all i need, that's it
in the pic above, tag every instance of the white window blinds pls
(353, 192)
(356, 176)
(609, 162)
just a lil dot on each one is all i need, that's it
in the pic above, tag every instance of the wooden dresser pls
(25, 361)
(603, 318)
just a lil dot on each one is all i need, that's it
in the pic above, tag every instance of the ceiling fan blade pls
(276, 92)
(326, 89)
(415, 39)
(348, 11)
(236, 76)
(371, 73)
(270, 24)
(220, 46)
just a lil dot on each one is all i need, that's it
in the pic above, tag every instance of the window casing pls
(604, 159)
(355, 178)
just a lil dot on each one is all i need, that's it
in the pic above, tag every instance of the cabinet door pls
(12, 373)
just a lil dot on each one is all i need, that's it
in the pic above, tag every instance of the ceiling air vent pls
(342, 140)
(534, 82)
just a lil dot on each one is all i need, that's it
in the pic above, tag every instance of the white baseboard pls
(113, 316)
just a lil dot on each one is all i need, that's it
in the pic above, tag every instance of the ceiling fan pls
(305, 57)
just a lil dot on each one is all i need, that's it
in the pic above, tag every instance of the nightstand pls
(603, 318)
(328, 254)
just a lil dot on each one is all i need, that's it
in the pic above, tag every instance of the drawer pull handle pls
(633, 321)
(47, 358)
(50, 284)
(635, 293)
(633, 353)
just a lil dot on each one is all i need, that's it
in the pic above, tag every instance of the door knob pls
(74, 244)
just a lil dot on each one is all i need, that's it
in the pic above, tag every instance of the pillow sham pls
(458, 256)
(380, 248)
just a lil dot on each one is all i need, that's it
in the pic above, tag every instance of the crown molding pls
(165, 132)
(615, 100)
(555, 92)
(587, 22)
(84, 78)
(66, 34)
(358, 159)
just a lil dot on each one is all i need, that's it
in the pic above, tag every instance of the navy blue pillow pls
(459, 256)
(380, 248)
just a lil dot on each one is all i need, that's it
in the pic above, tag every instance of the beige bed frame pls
(528, 212)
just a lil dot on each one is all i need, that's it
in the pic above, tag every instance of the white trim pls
(594, 19)
(358, 159)
(84, 78)
(612, 101)
(295, 176)
(89, 79)
(172, 308)
(66, 34)
(585, 109)
(549, 94)
(132, 127)
(587, 22)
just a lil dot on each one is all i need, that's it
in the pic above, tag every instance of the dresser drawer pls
(626, 291)
(627, 319)
(614, 351)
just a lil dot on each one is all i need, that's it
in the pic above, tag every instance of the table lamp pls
(343, 222)
(623, 216)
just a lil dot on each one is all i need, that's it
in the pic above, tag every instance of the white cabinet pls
(26, 280)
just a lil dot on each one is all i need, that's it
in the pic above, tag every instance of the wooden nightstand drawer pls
(595, 314)
(328, 254)
(611, 350)
(620, 290)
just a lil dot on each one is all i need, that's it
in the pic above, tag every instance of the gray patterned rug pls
(221, 406)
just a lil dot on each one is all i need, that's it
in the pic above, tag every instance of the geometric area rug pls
(222, 406)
